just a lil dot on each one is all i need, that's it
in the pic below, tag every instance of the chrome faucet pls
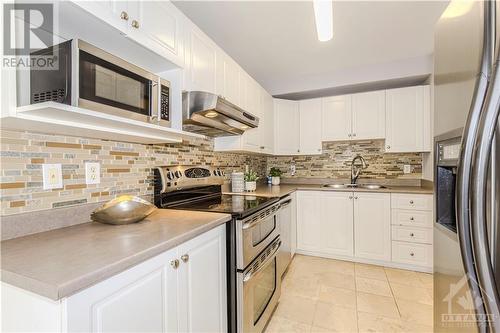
(356, 169)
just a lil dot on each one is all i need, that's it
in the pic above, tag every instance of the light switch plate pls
(92, 173)
(407, 168)
(52, 176)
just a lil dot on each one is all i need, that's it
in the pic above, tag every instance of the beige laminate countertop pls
(58, 263)
(285, 189)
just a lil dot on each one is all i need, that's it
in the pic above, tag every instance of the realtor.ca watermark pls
(461, 306)
(28, 34)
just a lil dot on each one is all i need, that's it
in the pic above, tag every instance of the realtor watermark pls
(462, 304)
(28, 34)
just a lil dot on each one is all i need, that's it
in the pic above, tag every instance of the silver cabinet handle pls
(185, 257)
(388, 147)
(411, 202)
(412, 254)
(350, 197)
(135, 24)
(261, 147)
(349, 135)
(356, 198)
(124, 16)
(412, 234)
(354, 134)
(411, 218)
(298, 150)
(174, 263)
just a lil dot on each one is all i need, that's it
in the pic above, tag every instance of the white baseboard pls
(367, 261)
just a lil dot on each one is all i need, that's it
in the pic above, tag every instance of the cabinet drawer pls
(411, 253)
(413, 218)
(411, 201)
(412, 234)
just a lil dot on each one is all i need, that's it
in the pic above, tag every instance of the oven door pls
(111, 85)
(259, 288)
(255, 233)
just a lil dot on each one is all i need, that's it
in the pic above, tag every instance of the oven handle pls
(253, 223)
(251, 274)
(285, 203)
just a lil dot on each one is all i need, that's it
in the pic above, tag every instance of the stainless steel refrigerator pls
(467, 168)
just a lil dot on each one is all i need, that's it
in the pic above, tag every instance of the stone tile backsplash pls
(126, 168)
(335, 162)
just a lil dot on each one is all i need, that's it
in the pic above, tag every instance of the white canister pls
(237, 182)
(275, 180)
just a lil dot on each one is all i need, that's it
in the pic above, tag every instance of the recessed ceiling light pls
(211, 114)
(323, 13)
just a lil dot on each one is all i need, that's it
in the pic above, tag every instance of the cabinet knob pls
(354, 134)
(261, 147)
(124, 16)
(350, 197)
(388, 147)
(356, 198)
(412, 218)
(135, 24)
(185, 257)
(319, 149)
(174, 263)
(349, 135)
(298, 150)
(412, 254)
(411, 202)
(412, 234)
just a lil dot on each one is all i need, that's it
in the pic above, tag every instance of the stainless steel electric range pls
(253, 239)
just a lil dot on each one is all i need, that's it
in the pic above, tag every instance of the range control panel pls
(177, 177)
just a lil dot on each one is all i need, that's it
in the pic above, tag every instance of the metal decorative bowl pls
(124, 209)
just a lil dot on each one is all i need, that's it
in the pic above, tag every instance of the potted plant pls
(251, 181)
(275, 174)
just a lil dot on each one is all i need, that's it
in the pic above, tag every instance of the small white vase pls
(275, 180)
(250, 186)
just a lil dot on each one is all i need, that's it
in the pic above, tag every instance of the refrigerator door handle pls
(481, 159)
(463, 188)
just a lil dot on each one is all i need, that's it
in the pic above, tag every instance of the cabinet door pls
(408, 119)
(267, 123)
(202, 283)
(337, 120)
(368, 115)
(372, 226)
(109, 11)
(159, 25)
(140, 299)
(286, 123)
(293, 232)
(309, 215)
(201, 58)
(228, 78)
(310, 122)
(337, 223)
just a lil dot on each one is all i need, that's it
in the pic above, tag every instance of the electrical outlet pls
(407, 168)
(92, 173)
(52, 176)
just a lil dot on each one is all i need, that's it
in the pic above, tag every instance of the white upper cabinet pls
(408, 120)
(266, 123)
(200, 59)
(228, 78)
(310, 123)
(156, 25)
(337, 118)
(287, 127)
(372, 226)
(368, 115)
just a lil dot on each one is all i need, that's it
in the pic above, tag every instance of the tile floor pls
(325, 295)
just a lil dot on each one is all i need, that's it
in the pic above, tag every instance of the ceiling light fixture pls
(323, 13)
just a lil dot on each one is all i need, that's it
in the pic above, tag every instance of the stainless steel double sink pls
(363, 186)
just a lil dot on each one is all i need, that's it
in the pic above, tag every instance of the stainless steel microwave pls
(88, 77)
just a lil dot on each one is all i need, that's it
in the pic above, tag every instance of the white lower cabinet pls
(180, 290)
(362, 227)
(325, 222)
(372, 227)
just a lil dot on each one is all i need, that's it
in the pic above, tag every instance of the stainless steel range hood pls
(211, 115)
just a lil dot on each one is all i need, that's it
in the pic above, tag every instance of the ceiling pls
(276, 41)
